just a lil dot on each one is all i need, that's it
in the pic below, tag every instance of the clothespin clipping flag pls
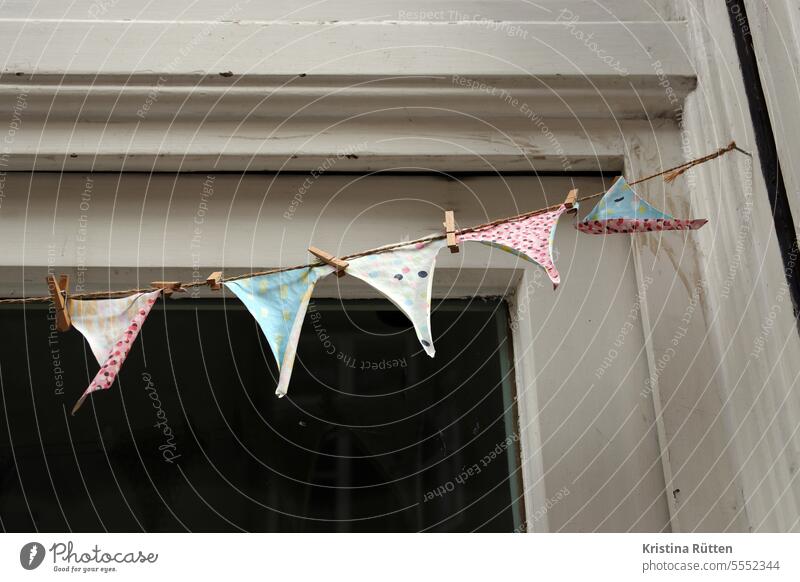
(621, 210)
(110, 326)
(278, 302)
(530, 238)
(405, 277)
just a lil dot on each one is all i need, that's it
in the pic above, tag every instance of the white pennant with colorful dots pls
(405, 276)
(278, 301)
(110, 326)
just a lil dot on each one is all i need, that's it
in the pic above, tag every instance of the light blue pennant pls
(279, 301)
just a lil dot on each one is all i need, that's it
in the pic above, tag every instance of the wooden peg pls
(169, 287)
(572, 198)
(450, 228)
(329, 259)
(213, 280)
(58, 291)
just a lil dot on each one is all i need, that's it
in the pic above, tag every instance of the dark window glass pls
(373, 436)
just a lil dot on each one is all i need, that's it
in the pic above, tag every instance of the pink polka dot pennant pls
(530, 238)
(118, 351)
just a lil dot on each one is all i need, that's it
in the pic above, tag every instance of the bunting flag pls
(278, 301)
(621, 210)
(530, 238)
(405, 277)
(110, 326)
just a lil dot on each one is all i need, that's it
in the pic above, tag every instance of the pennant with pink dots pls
(110, 326)
(530, 238)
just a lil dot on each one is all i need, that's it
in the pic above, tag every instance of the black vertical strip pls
(767, 150)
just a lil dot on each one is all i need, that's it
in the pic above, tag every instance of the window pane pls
(373, 436)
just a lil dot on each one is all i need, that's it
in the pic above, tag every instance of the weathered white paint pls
(147, 100)
(367, 143)
(672, 283)
(755, 354)
(107, 85)
(338, 10)
(379, 93)
(45, 47)
(150, 96)
(775, 29)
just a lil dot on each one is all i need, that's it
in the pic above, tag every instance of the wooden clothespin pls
(169, 287)
(329, 259)
(450, 228)
(213, 280)
(571, 201)
(59, 288)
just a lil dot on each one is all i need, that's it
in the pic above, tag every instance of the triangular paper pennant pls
(278, 301)
(621, 210)
(530, 238)
(405, 277)
(103, 321)
(110, 326)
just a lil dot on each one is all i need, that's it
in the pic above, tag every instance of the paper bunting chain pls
(402, 273)
(215, 280)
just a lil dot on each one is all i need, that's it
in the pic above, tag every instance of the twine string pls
(670, 175)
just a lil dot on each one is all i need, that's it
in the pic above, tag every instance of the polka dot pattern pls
(103, 321)
(404, 276)
(118, 352)
(627, 225)
(279, 301)
(530, 238)
(621, 210)
(622, 202)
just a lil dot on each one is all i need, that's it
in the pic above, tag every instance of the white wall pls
(775, 29)
(751, 328)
